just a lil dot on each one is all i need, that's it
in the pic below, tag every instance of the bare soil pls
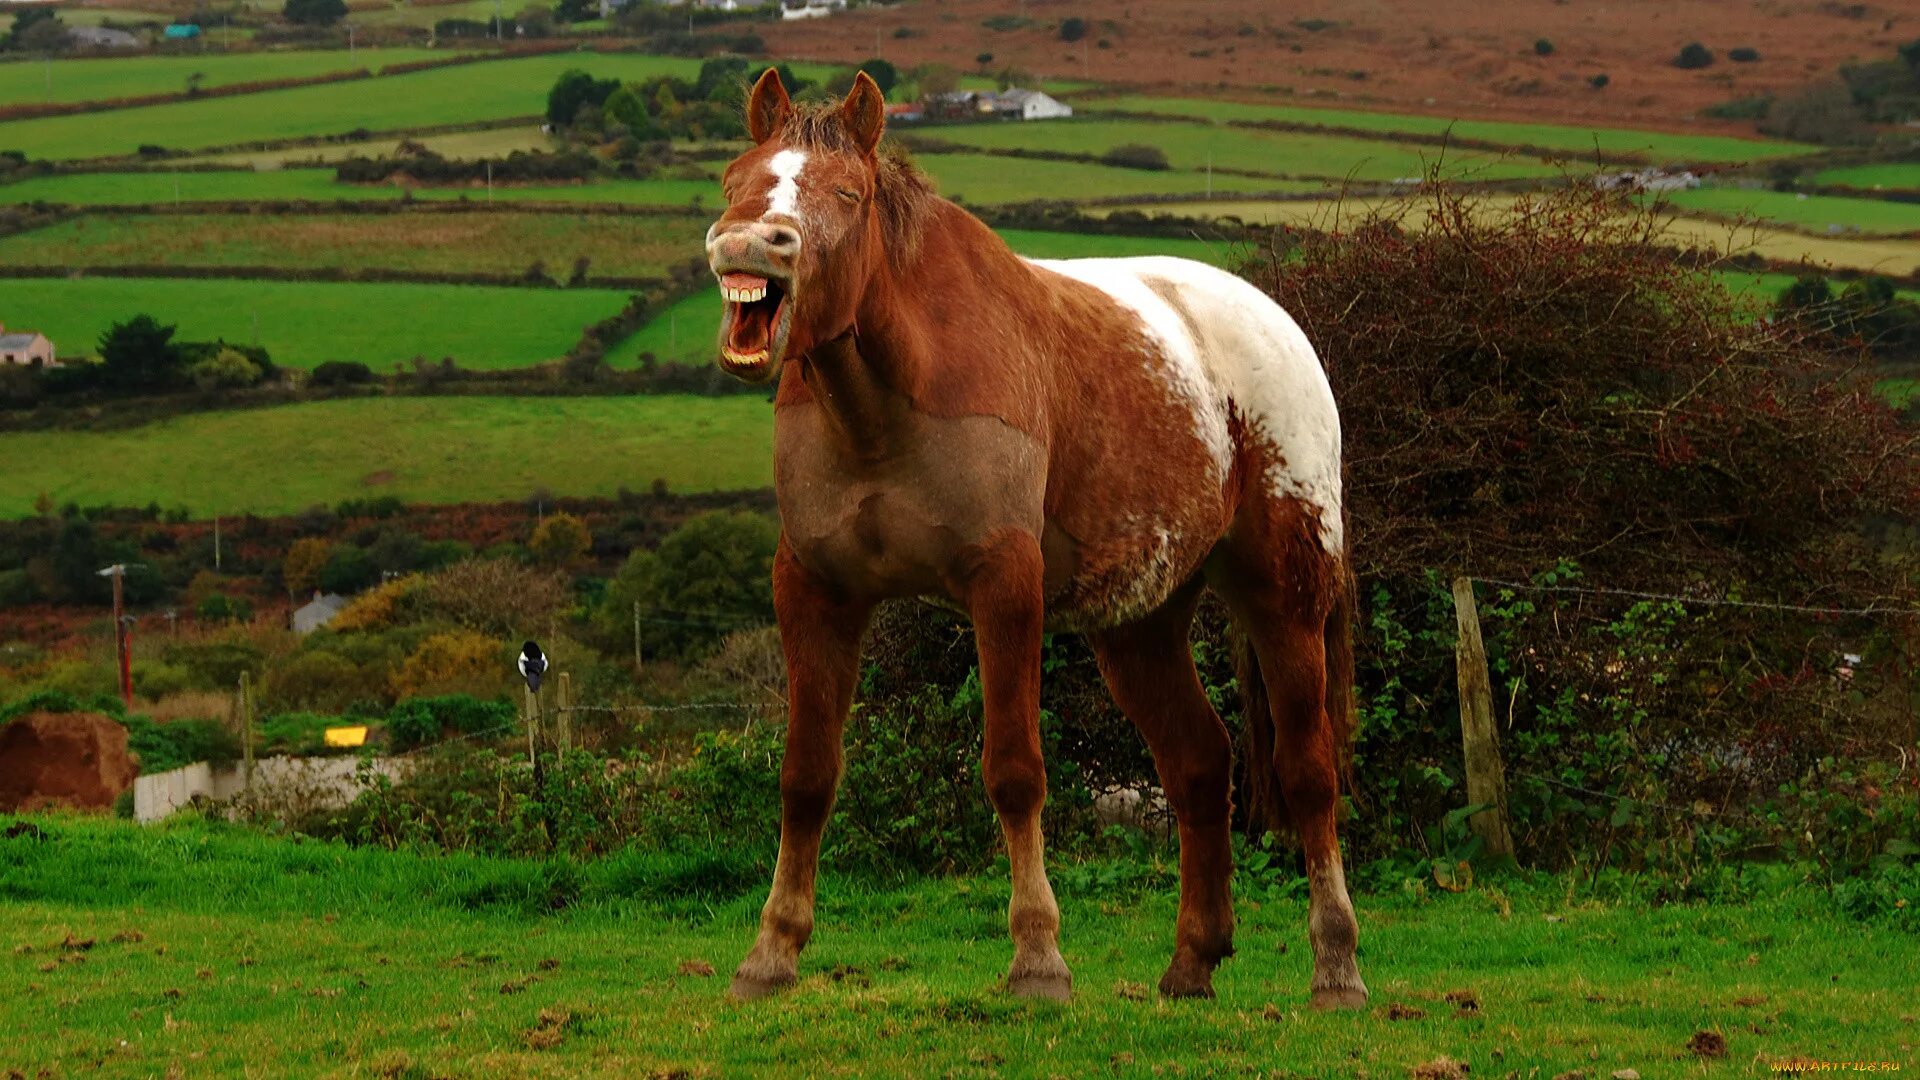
(73, 760)
(1466, 58)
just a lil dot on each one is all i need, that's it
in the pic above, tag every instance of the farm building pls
(1015, 104)
(181, 31)
(317, 612)
(26, 349)
(101, 37)
(810, 9)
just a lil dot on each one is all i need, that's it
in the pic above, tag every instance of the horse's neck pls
(896, 361)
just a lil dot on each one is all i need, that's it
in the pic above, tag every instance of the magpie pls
(532, 665)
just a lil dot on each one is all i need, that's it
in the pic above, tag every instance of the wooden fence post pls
(565, 716)
(533, 722)
(1486, 776)
(636, 639)
(246, 724)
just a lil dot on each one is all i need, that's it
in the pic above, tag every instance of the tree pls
(348, 570)
(574, 89)
(315, 12)
(227, 369)
(536, 20)
(221, 608)
(1136, 156)
(24, 37)
(883, 73)
(456, 662)
(560, 542)
(936, 79)
(1073, 28)
(625, 108)
(709, 576)
(305, 559)
(573, 11)
(722, 79)
(139, 354)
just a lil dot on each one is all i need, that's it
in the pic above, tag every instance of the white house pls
(26, 349)
(1030, 104)
(810, 9)
(317, 612)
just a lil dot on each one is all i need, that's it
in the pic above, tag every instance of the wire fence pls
(1704, 601)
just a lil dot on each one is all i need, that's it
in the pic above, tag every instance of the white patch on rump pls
(784, 197)
(1225, 346)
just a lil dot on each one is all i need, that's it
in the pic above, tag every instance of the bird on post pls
(533, 664)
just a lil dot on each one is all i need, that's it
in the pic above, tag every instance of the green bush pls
(418, 721)
(1136, 156)
(1543, 47)
(215, 665)
(1743, 55)
(161, 747)
(1693, 57)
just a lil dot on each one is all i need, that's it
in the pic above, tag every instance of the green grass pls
(686, 332)
(163, 188)
(464, 94)
(1892, 174)
(219, 952)
(93, 79)
(500, 243)
(985, 179)
(1568, 138)
(1191, 146)
(304, 323)
(1820, 213)
(283, 459)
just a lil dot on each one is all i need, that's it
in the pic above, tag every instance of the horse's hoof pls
(1332, 998)
(751, 985)
(1041, 986)
(1180, 982)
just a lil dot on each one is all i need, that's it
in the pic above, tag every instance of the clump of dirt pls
(1708, 1044)
(550, 1030)
(77, 761)
(1398, 1011)
(1440, 1068)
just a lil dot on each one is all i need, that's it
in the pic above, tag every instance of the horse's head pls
(797, 243)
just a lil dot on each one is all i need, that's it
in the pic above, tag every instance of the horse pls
(1080, 445)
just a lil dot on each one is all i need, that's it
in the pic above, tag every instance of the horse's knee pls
(807, 791)
(1017, 788)
(1199, 786)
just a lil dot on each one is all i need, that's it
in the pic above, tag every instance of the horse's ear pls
(768, 106)
(864, 113)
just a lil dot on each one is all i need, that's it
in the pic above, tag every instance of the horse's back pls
(1254, 383)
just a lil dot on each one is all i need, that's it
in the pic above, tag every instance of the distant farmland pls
(429, 449)
(305, 323)
(97, 79)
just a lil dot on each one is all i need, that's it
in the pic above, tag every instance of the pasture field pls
(456, 95)
(1819, 213)
(1572, 139)
(457, 145)
(987, 179)
(144, 188)
(1890, 174)
(210, 950)
(305, 323)
(1191, 146)
(685, 332)
(423, 449)
(641, 245)
(100, 79)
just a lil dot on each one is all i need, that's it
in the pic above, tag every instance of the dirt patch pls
(73, 760)
(1708, 1044)
(1440, 1068)
(1476, 58)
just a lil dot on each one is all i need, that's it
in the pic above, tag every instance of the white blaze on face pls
(784, 198)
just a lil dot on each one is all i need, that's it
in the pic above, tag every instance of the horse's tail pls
(1266, 809)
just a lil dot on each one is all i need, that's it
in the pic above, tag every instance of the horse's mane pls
(904, 194)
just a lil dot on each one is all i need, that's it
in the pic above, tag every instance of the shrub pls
(162, 747)
(215, 665)
(1694, 56)
(1743, 55)
(381, 607)
(1598, 82)
(421, 720)
(494, 596)
(225, 370)
(320, 681)
(341, 373)
(709, 576)
(315, 12)
(1542, 47)
(456, 662)
(219, 607)
(560, 542)
(348, 570)
(1073, 28)
(1136, 156)
(300, 570)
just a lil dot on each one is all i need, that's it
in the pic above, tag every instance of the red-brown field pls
(1465, 58)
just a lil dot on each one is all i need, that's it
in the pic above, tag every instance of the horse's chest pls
(895, 526)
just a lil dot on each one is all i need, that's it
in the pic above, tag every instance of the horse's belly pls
(1128, 572)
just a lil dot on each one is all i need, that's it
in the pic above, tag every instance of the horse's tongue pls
(743, 281)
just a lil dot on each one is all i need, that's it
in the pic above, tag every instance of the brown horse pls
(1078, 445)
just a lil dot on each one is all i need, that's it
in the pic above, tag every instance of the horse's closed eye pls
(848, 194)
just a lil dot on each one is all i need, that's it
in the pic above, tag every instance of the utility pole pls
(216, 517)
(118, 572)
(245, 710)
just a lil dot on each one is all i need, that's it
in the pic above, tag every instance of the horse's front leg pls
(820, 634)
(1000, 584)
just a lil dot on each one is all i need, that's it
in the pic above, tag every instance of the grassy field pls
(986, 179)
(1821, 213)
(423, 449)
(304, 323)
(458, 145)
(91, 79)
(685, 333)
(1191, 146)
(1892, 174)
(501, 243)
(1569, 138)
(143, 188)
(213, 951)
(455, 95)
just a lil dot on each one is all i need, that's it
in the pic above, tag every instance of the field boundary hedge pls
(332, 274)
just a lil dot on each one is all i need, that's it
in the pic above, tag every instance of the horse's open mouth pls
(753, 327)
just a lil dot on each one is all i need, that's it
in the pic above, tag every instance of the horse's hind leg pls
(1283, 587)
(1148, 666)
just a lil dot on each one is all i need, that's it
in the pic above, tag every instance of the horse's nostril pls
(784, 239)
